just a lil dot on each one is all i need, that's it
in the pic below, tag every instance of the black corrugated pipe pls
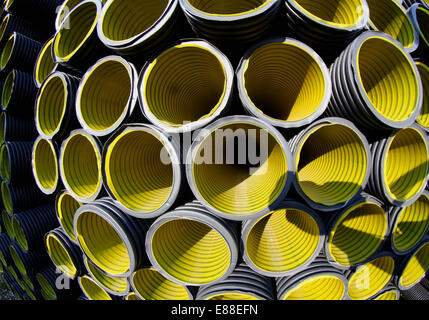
(113, 240)
(18, 94)
(400, 185)
(15, 128)
(312, 283)
(242, 284)
(14, 287)
(64, 254)
(416, 293)
(408, 3)
(357, 232)
(20, 198)
(231, 22)
(55, 287)
(15, 162)
(327, 25)
(192, 247)
(390, 292)
(376, 83)
(55, 113)
(5, 256)
(19, 52)
(419, 16)
(76, 44)
(28, 262)
(30, 226)
(337, 144)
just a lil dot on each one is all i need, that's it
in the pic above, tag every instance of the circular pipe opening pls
(81, 166)
(104, 96)
(46, 289)
(422, 16)
(342, 153)
(232, 180)
(7, 91)
(102, 243)
(357, 234)
(7, 201)
(3, 26)
(92, 289)
(132, 296)
(4, 163)
(406, 164)
(370, 278)
(416, 267)
(64, 10)
(51, 105)
(115, 285)
(230, 296)
(66, 207)
(8, 225)
(286, 83)
(7, 51)
(45, 64)
(283, 241)
(124, 20)
(75, 30)
(135, 172)
(60, 256)
(190, 251)
(192, 74)
(19, 233)
(2, 127)
(229, 7)
(149, 284)
(314, 288)
(411, 224)
(17, 260)
(388, 79)
(388, 295)
(423, 118)
(45, 165)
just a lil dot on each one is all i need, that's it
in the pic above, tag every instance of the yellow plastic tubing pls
(194, 74)
(357, 232)
(65, 9)
(92, 289)
(390, 17)
(239, 189)
(107, 94)
(45, 64)
(45, 165)
(284, 241)
(423, 118)
(60, 256)
(338, 147)
(371, 277)
(284, 82)
(226, 8)
(66, 206)
(80, 165)
(149, 284)
(415, 266)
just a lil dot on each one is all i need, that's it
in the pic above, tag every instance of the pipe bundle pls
(214, 150)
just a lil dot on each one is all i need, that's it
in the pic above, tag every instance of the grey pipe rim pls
(250, 120)
(253, 110)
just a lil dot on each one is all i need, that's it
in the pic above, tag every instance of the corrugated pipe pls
(146, 152)
(28, 262)
(93, 291)
(409, 225)
(80, 165)
(15, 162)
(132, 296)
(44, 162)
(423, 118)
(12, 23)
(149, 284)
(234, 21)
(311, 284)
(52, 286)
(408, 3)
(30, 226)
(111, 239)
(357, 232)
(45, 64)
(416, 293)
(64, 9)
(14, 286)
(368, 279)
(112, 285)
(132, 28)
(400, 185)
(337, 145)
(419, 16)
(376, 83)
(413, 267)
(19, 52)
(190, 246)
(55, 113)
(64, 254)
(284, 82)
(390, 17)
(238, 184)
(7, 222)
(5, 256)
(107, 96)
(191, 72)
(66, 207)
(242, 284)
(18, 94)
(284, 241)
(15, 128)
(18, 198)
(76, 44)
(327, 25)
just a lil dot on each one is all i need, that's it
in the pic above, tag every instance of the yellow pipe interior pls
(60, 256)
(8, 225)
(45, 164)
(7, 201)
(45, 63)
(66, 209)
(115, 284)
(8, 87)
(314, 288)
(422, 15)
(46, 289)
(92, 290)
(227, 7)
(7, 51)
(416, 267)
(423, 118)
(4, 163)
(388, 295)
(19, 233)
(232, 296)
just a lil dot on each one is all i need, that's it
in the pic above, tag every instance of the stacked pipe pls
(142, 160)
